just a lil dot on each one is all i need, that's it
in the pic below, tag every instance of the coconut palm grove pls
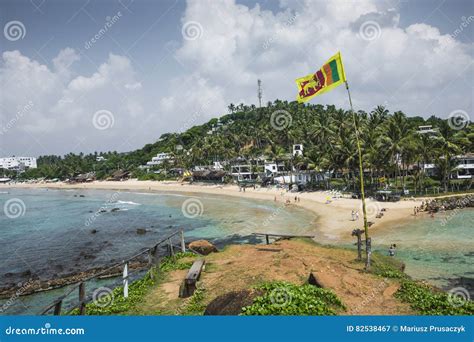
(394, 149)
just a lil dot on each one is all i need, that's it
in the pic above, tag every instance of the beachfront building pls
(18, 163)
(247, 170)
(274, 168)
(427, 129)
(160, 158)
(463, 170)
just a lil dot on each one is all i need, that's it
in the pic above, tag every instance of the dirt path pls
(241, 267)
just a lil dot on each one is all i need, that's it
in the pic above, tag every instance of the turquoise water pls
(439, 250)
(52, 234)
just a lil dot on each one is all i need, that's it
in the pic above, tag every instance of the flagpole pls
(361, 175)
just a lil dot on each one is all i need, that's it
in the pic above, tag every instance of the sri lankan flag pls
(328, 77)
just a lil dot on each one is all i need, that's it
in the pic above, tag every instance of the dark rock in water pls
(231, 303)
(8, 274)
(203, 247)
(93, 231)
(102, 211)
(91, 211)
(114, 209)
(26, 273)
(82, 196)
(141, 231)
(87, 256)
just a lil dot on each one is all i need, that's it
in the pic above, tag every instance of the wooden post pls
(125, 280)
(82, 299)
(359, 247)
(171, 248)
(183, 245)
(267, 239)
(57, 308)
(368, 245)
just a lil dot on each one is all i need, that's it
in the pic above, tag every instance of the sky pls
(85, 76)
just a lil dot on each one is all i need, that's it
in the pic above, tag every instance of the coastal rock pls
(203, 247)
(314, 280)
(114, 209)
(141, 231)
(230, 303)
(93, 231)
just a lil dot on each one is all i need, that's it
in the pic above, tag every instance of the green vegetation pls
(282, 298)
(387, 267)
(390, 144)
(427, 301)
(196, 305)
(116, 303)
(171, 263)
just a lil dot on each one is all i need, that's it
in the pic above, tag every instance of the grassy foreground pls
(276, 277)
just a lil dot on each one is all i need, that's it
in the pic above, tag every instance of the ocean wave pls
(129, 202)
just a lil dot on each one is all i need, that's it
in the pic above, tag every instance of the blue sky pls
(150, 79)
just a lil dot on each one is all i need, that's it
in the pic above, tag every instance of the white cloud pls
(405, 68)
(415, 69)
(64, 105)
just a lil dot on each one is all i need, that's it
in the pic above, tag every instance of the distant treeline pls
(390, 143)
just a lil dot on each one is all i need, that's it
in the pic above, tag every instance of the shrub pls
(282, 298)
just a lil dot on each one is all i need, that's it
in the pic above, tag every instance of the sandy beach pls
(334, 218)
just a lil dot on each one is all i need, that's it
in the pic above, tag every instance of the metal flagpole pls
(361, 175)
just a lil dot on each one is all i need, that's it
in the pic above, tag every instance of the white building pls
(464, 169)
(18, 163)
(297, 150)
(428, 129)
(160, 158)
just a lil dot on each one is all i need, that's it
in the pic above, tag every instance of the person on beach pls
(275, 199)
(391, 250)
(296, 199)
(414, 211)
(357, 215)
(353, 215)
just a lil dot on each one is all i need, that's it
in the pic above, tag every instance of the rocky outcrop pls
(449, 203)
(202, 247)
(231, 303)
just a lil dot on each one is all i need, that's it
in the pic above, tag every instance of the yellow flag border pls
(340, 70)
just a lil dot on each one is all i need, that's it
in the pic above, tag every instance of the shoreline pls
(333, 219)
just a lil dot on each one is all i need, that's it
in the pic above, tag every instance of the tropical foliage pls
(283, 298)
(390, 144)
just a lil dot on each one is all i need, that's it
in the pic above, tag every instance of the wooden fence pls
(80, 287)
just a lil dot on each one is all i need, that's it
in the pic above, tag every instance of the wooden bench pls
(188, 286)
